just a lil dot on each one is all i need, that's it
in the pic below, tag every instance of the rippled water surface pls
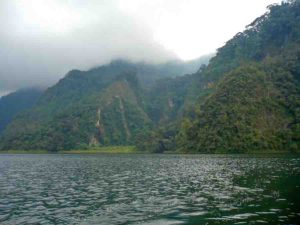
(149, 189)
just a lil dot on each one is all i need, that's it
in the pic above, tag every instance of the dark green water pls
(149, 189)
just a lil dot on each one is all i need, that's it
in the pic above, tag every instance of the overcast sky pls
(41, 40)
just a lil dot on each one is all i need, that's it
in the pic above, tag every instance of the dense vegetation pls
(245, 99)
(249, 111)
(107, 105)
(255, 104)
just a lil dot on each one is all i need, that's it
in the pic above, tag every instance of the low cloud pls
(41, 40)
(32, 55)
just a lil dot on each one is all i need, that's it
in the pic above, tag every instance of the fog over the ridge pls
(41, 40)
(34, 56)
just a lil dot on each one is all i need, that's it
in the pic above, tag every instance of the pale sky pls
(41, 40)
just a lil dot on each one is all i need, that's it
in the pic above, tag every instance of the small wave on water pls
(149, 189)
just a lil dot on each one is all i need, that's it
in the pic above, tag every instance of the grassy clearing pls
(106, 149)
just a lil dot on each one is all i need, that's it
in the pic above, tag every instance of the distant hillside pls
(16, 102)
(107, 105)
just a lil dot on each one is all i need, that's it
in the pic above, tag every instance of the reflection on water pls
(149, 189)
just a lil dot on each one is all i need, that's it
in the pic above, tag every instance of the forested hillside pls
(107, 105)
(255, 105)
(246, 99)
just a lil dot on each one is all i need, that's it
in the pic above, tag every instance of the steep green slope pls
(265, 36)
(249, 111)
(16, 102)
(166, 100)
(106, 105)
(79, 84)
(111, 116)
(245, 99)
(255, 101)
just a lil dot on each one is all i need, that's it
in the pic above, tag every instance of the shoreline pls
(106, 149)
(133, 150)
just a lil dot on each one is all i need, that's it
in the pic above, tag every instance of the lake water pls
(149, 189)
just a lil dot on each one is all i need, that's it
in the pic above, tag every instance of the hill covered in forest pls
(107, 105)
(246, 99)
